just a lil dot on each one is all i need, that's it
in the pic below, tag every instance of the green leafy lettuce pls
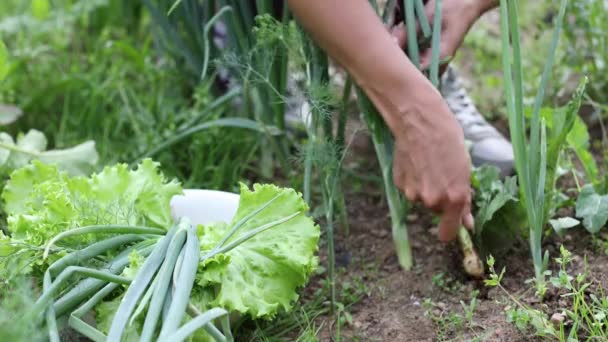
(42, 201)
(260, 276)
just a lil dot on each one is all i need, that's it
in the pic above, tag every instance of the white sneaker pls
(488, 146)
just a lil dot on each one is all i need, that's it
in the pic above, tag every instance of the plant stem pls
(383, 144)
(343, 116)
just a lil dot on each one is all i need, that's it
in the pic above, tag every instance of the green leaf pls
(499, 213)
(505, 193)
(78, 160)
(4, 62)
(563, 122)
(260, 276)
(592, 208)
(8, 113)
(492, 194)
(564, 223)
(31, 143)
(579, 141)
(40, 9)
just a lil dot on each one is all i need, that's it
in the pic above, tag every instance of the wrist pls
(405, 102)
(391, 84)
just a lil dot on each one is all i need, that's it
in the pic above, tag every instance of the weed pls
(585, 317)
(446, 283)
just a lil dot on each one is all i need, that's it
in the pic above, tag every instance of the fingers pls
(445, 56)
(399, 35)
(456, 213)
(467, 217)
(401, 182)
(451, 220)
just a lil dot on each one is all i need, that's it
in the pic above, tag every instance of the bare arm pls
(486, 5)
(353, 35)
(431, 163)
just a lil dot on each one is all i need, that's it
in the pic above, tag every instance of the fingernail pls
(396, 40)
(469, 221)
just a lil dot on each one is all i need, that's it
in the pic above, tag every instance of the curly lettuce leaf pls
(260, 276)
(42, 201)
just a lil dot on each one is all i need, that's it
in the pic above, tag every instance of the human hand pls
(457, 17)
(431, 162)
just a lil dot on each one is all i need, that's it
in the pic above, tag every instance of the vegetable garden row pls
(140, 100)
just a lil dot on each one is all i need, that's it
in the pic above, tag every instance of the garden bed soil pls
(393, 307)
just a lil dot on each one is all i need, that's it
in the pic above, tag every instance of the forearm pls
(486, 5)
(354, 36)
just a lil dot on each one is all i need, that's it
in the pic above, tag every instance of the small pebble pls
(557, 318)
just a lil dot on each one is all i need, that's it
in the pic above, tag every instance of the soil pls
(393, 308)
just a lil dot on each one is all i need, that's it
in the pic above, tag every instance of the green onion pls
(91, 251)
(412, 39)
(161, 286)
(186, 279)
(435, 48)
(247, 236)
(88, 287)
(423, 20)
(82, 327)
(51, 319)
(145, 300)
(195, 324)
(530, 159)
(57, 285)
(244, 220)
(112, 229)
(140, 283)
(383, 144)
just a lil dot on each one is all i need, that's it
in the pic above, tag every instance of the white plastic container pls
(205, 206)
